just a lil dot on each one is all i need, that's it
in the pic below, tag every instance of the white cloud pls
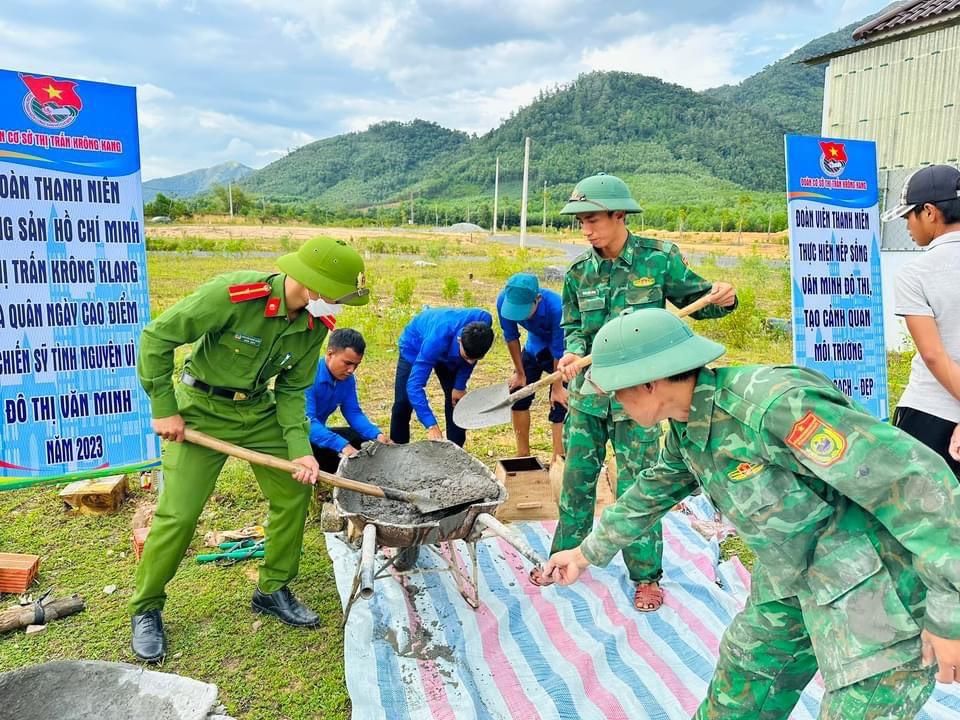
(697, 57)
(148, 92)
(475, 111)
(255, 77)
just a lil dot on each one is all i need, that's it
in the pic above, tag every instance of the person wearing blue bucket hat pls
(855, 524)
(524, 304)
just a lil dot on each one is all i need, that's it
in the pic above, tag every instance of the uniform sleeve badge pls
(815, 439)
(745, 470)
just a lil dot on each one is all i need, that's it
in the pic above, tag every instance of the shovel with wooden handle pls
(491, 405)
(421, 502)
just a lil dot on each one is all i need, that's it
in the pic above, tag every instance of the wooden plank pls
(102, 496)
(529, 491)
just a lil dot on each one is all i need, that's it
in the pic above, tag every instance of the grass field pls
(264, 670)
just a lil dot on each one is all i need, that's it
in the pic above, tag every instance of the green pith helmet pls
(330, 268)
(644, 346)
(600, 193)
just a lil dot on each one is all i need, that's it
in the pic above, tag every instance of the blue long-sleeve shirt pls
(431, 339)
(543, 329)
(326, 395)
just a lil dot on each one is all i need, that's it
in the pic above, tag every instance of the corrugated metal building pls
(899, 86)
(902, 87)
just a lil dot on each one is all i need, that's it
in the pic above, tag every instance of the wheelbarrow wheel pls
(407, 558)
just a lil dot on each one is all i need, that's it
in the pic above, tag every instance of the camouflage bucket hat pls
(600, 193)
(644, 346)
(330, 268)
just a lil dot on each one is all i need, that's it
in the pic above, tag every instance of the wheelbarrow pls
(435, 532)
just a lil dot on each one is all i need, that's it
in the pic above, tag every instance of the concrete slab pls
(82, 689)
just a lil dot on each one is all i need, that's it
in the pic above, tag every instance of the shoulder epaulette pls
(585, 255)
(748, 398)
(655, 244)
(249, 291)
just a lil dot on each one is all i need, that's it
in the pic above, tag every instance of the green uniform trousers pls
(190, 473)
(585, 441)
(766, 660)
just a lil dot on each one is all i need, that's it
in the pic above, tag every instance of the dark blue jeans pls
(534, 366)
(403, 410)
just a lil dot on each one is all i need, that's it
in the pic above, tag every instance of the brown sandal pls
(537, 578)
(648, 597)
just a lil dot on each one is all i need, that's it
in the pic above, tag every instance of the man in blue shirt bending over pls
(524, 304)
(336, 388)
(447, 341)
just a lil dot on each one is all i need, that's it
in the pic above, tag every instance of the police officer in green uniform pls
(855, 524)
(246, 328)
(620, 273)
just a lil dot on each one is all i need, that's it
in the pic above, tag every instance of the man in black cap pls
(928, 298)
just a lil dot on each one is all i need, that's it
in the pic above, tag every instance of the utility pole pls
(411, 207)
(523, 201)
(544, 207)
(230, 196)
(496, 194)
(436, 215)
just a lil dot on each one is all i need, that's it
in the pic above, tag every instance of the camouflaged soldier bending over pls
(855, 524)
(620, 274)
(246, 328)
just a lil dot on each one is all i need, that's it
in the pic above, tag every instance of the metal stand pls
(466, 585)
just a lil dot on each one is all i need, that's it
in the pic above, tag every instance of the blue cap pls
(519, 297)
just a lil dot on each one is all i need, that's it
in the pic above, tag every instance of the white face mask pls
(320, 308)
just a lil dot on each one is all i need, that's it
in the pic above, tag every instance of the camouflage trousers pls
(766, 660)
(585, 443)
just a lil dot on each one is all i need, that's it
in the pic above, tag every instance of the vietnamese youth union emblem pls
(833, 158)
(51, 103)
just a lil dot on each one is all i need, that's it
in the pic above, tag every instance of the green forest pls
(700, 161)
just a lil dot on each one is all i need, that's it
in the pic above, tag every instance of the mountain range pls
(671, 144)
(195, 181)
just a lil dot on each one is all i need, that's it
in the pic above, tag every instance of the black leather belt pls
(188, 379)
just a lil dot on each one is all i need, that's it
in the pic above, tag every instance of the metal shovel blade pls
(484, 407)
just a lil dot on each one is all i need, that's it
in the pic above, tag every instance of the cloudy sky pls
(248, 80)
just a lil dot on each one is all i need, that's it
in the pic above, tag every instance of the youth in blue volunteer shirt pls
(431, 343)
(523, 303)
(335, 388)
(543, 329)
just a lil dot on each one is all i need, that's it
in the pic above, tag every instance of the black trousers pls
(329, 459)
(403, 410)
(932, 431)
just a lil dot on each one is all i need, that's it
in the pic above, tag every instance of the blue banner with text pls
(833, 211)
(73, 281)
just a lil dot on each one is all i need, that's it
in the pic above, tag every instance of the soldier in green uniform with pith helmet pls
(855, 524)
(246, 328)
(621, 273)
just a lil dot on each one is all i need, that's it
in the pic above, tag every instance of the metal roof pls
(906, 14)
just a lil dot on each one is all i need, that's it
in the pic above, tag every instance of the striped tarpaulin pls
(417, 650)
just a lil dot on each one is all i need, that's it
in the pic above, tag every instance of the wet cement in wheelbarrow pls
(443, 472)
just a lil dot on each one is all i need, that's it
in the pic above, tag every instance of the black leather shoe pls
(284, 606)
(407, 558)
(148, 642)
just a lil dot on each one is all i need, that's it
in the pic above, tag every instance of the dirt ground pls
(767, 246)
